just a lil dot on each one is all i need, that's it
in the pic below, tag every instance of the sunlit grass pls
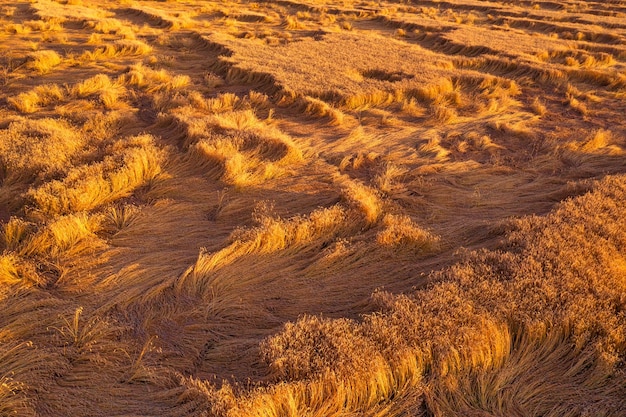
(319, 209)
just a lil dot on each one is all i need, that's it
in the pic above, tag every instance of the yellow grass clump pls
(401, 231)
(272, 235)
(244, 150)
(108, 92)
(154, 80)
(43, 61)
(365, 199)
(538, 107)
(9, 270)
(320, 108)
(222, 103)
(131, 163)
(389, 175)
(43, 95)
(119, 49)
(26, 147)
(109, 25)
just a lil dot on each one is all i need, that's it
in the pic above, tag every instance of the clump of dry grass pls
(598, 141)
(120, 48)
(385, 180)
(365, 101)
(48, 25)
(91, 86)
(433, 147)
(538, 107)
(10, 269)
(440, 90)
(222, 103)
(365, 199)
(346, 25)
(482, 142)
(412, 108)
(597, 145)
(243, 149)
(358, 161)
(120, 217)
(153, 81)
(128, 165)
(33, 251)
(292, 23)
(573, 95)
(64, 236)
(43, 61)
(272, 235)
(320, 108)
(42, 95)
(26, 147)
(520, 128)
(67, 235)
(108, 92)
(108, 25)
(443, 113)
(85, 339)
(402, 232)
(14, 233)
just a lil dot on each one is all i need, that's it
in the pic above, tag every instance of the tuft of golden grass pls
(270, 236)
(120, 217)
(9, 269)
(243, 150)
(153, 81)
(292, 23)
(43, 95)
(320, 108)
(538, 107)
(386, 180)
(118, 49)
(26, 146)
(365, 199)
(43, 61)
(108, 92)
(598, 140)
(442, 113)
(130, 164)
(402, 232)
(106, 26)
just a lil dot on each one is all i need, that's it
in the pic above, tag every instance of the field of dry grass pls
(313, 208)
